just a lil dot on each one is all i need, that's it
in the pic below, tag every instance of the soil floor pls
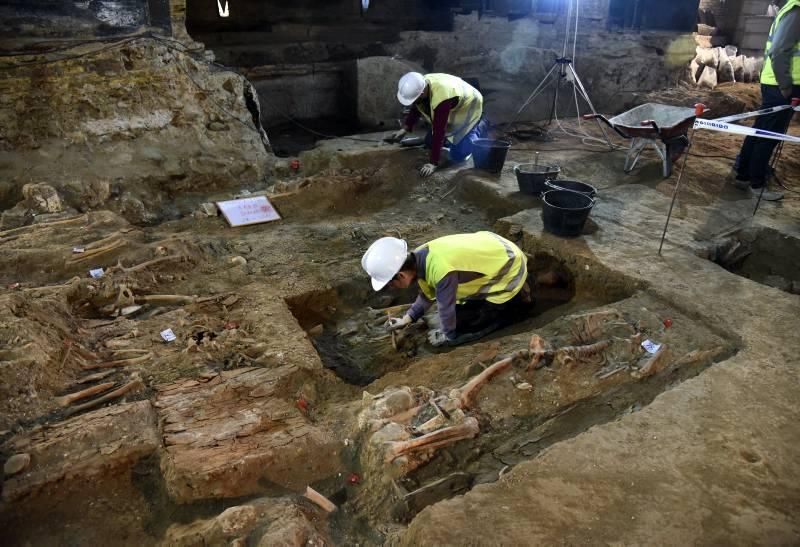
(702, 448)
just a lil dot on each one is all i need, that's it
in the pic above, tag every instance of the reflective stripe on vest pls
(466, 113)
(768, 74)
(502, 264)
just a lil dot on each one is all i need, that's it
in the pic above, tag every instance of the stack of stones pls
(715, 64)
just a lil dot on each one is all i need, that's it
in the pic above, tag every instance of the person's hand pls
(787, 93)
(397, 323)
(437, 337)
(427, 170)
(398, 135)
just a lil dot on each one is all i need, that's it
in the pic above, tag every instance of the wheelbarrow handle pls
(608, 123)
(653, 124)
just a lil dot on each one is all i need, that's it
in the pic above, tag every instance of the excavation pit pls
(527, 406)
(762, 255)
(346, 323)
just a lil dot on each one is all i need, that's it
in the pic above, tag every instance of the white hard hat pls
(410, 87)
(383, 260)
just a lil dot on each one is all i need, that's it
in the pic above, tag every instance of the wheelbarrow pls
(662, 126)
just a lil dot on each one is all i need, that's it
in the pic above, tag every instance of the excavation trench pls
(519, 412)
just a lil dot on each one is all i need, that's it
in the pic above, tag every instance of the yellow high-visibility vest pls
(467, 112)
(503, 265)
(768, 74)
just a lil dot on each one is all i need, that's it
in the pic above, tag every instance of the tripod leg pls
(577, 81)
(539, 88)
(555, 94)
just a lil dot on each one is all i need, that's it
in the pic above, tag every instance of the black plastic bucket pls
(574, 185)
(531, 178)
(564, 212)
(489, 154)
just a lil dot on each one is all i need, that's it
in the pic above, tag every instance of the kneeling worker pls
(480, 282)
(452, 107)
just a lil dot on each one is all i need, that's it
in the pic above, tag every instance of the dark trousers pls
(477, 318)
(752, 163)
(458, 152)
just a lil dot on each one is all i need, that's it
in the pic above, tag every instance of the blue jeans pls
(458, 152)
(752, 163)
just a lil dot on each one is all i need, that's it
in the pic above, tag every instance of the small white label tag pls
(78, 250)
(168, 335)
(651, 347)
(96, 273)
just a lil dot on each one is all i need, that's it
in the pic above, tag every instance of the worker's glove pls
(397, 323)
(397, 136)
(437, 337)
(427, 170)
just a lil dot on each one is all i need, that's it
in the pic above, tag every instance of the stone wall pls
(142, 118)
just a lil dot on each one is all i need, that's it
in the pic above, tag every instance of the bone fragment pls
(134, 385)
(67, 400)
(654, 364)
(469, 392)
(166, 299)
(537, 348)
(42, 225)
(390, 311)
(442, 437)
(568, 355)
(147, 264)
(64, 358)
(327, 505)
(94, 253)
(119, 362)
(95, 377)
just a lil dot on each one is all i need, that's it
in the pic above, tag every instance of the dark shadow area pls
(762, 255)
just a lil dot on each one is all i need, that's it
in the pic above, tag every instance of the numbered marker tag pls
(77, 250)
(168, 335)
(97, 273)
(651, 347)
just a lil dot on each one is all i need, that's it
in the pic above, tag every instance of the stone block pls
(725, 69)
(708, 57)
(706, 30)
(377, 79)
(42, 198)
(709, 41)
(265, 521)
(708, 78)
(83, 448)
(224, 438)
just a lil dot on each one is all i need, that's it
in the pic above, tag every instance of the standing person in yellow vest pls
(480, 282)
(780, 81)
(451, 106)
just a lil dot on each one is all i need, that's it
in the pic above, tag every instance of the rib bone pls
(442, 437)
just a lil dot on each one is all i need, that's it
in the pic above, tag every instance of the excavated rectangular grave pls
(763, 255)
(530, 407)
(346, 323)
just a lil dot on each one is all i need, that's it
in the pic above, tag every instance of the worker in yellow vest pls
(479, 281)
(452, 108)
(780, 82)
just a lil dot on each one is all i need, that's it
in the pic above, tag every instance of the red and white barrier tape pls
(716, 125)
(762, 112)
